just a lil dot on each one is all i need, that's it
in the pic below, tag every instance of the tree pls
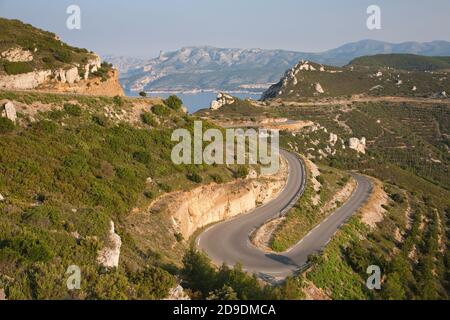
(225, 293)
(173, 102)
(143, 94)
(197, 272)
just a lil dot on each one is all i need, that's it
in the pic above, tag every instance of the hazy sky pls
(144, 27)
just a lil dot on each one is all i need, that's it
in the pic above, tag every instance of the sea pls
(198, 100)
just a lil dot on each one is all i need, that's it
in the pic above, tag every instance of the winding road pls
(229, 241)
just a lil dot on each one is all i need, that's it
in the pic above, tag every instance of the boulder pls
(1, 198)
(9, 111)
(221, 100)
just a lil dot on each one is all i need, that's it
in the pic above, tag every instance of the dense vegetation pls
(48, 51)
(65, 173)
(408, 62)
(204, 281)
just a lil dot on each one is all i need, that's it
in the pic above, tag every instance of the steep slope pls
(31, 58)
(81, 183)
(373, 76)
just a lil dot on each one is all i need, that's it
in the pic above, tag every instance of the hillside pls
(407, 62)
(403, 229)
(31, 58)
(71, 165)
(218, 69)
(372, 76)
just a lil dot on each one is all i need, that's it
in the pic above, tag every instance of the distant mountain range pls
(240, 70)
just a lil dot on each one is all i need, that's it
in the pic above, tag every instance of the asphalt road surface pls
(228, 242)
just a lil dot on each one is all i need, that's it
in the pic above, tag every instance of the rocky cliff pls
(212, 203)
(34, 59)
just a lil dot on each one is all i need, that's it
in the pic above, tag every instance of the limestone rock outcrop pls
(25, 81)
(9, 112)
(319, 88)
(358, 144)
(211, 203)
(177, 293)
(222, 100)
(108, 257)
(333, 139)
(17, 54)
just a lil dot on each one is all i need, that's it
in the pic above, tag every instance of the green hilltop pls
(409, 62)
(48, 51)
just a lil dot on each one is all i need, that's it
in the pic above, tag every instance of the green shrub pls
(217, 178)
(143, 94)
(118, 101)
(72, 109)
(63, 56)
(241, 172)
(101, 120)
(46, 126)
(179, 237)
(103, 71)
(194, 177)
(56, 114)
(397, 197)
(142, 157)
(160, 110)
(148, 118)
(6, 125)
(13, 68)
(173, 102)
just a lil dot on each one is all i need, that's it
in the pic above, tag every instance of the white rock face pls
(25, 81)
(333, 139)
(377, 87)
(177, 293)
(92, 66)
(108, 257)
(2, 294)
(444, 94)
(9, 111)
(358, 145)
(379, 74)
(319, 88)
(17, 55)
(72, 75)
(222, 100)
(1, 198)
(414, 88)
(399, 82)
